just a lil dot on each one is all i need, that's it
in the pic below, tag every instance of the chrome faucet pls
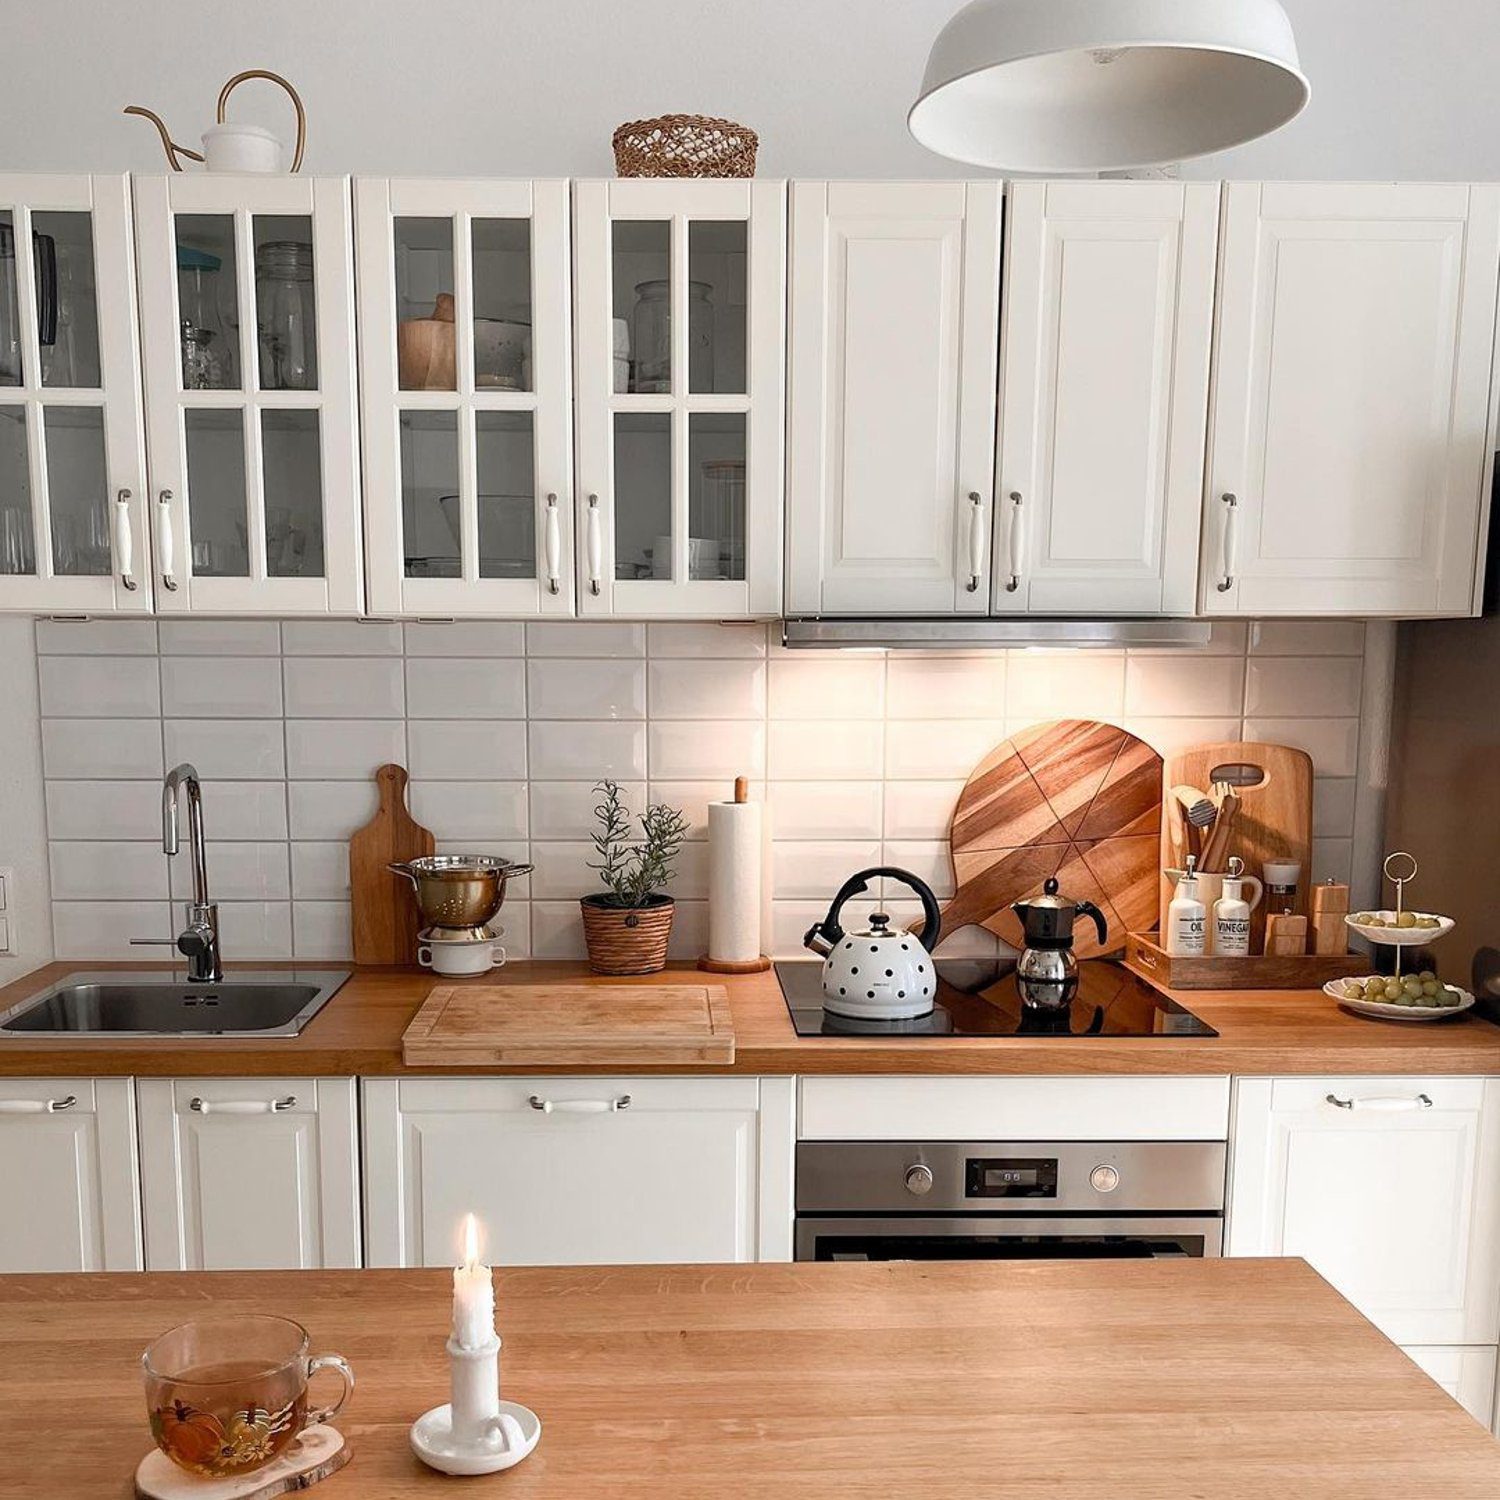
(199, 940)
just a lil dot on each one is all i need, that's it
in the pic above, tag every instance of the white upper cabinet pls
(894, 330)
(247, 333)
(465, 382)
(1107, 331)
(1351, 409)
(679, 299)
(72, 456)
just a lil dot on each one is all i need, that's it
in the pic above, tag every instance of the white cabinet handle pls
(123, 548)
(553, 544)
(976, 540)
(595, 541)
(1228, 541)
(1391, 1104)
(37, 1106)
(164, 540)
(241, 1106)
(580, 1106)
(1016, 538)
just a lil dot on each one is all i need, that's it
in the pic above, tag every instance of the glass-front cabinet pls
(72, 461)
(679, 299)
(465, 373)
(247, 331)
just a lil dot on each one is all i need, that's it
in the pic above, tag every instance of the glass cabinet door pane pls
(643, 494)
(501, 250)
(431, 523)
(716, 306)
(208, 302)
(10, 306)
(67, 301)
(76, 495)
(642, 291)
(716, 495)
(506, 463)
(292, 476)
(216, 492)
(17, 543)
(286, 313)
(424, 304)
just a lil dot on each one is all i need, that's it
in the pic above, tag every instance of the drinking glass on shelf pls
(16, 552)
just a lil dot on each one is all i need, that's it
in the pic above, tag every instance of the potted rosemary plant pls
(626, 925)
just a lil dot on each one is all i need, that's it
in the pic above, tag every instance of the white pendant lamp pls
(1102, 85)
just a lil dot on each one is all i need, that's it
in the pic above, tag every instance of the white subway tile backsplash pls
(96, 637)
(694, 639)
(236, 872)
(84, 871)
(689, 938)
(942, 687)
(469, 810)
(920, 809)
(814, 870)
(244, 809)
(1332, 743)
(229, 687)
(103, 810)
(565, 809)
(1331, 860)
(825, 810)
(463, 688)
(923, 750)
(88, 930)
(827, 687)
(120, 749)
(466, 749)
(320, 871)
(705, 689)
(98, 687)
(321, 929)
(1064, 685)
(220, 638)
(256, 929)
(241, 749)
(575, 751)
(340, 638)
(329, 809)
(1307, 637)
(562, 871)
(1303, 686)
(804, 749)
(694, 750)
(342, 749)
(556, 930)
(354, 687)
(1168, 736)
(927, 859)
(584, 638)
(568, 688)
(1333, 806)
(465, 638)
(1208, 686)
(691, 799)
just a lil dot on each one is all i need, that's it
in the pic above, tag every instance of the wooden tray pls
(1301, 971)
(566, 1025)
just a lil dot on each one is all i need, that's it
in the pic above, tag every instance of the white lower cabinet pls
(579, 1171)
(1466, 1373)
(1389, 1187)
(68, 1175)
(249, 1173)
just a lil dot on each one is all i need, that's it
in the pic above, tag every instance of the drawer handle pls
(123, 558)
(241, 1106)
(552, 543)
(1390, 1103)
(164, 557)
(594, 545)
(580, 1106)
(1227, 541)
(977, 543)
(1016, 543)
(37, 1106)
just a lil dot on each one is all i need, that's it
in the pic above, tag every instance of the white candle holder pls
(475, 1432)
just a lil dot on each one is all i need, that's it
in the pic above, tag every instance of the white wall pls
(1401, 88)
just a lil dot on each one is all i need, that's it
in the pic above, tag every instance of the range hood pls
(980, 633)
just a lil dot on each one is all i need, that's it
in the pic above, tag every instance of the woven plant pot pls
(684, 146)
(627, 939)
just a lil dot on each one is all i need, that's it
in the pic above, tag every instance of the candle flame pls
(471, 1241)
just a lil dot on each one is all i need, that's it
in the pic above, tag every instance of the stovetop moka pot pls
(1047, 971)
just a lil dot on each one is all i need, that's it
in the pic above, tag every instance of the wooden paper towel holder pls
(744, 965)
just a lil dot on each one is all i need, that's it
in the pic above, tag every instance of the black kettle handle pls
(1088, 909)
(857, 884)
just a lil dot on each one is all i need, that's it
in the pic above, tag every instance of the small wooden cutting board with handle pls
(384, 914)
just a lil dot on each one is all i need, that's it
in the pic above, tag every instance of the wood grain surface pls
(582, 1025)
(1303, 971)
(383, 911)
(1073, 799)
(1118, 1380)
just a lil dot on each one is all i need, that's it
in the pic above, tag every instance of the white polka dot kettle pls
(877, 974)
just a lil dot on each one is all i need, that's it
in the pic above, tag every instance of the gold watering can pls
(234, 148)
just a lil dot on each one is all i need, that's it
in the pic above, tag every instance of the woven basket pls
(685, 146)
(627, 940)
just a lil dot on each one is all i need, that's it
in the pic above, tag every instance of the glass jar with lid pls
(651, 337)
(286, 316)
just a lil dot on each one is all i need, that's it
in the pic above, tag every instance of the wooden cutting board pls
(383, 911)
(568, 1025)
(1076, 799)
(1274, 820)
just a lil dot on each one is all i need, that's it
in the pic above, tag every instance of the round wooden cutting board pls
(1073, 798)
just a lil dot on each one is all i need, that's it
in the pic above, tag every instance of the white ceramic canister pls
(240, 148)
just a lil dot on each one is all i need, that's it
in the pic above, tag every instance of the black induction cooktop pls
(977, 997)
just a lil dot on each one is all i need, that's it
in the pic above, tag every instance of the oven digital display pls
(1011, 1177)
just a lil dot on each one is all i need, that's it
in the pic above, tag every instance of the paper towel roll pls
(734, 882)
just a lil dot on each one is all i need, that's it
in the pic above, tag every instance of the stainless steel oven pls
(1009, 1200)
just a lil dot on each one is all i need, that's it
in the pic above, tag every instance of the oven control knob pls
(1104, 1179)
(919, 1179)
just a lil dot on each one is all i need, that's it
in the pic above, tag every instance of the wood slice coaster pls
(317, 1453)
(1074, 799)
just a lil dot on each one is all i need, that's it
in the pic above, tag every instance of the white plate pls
(1402, 937)
(1384, 1012)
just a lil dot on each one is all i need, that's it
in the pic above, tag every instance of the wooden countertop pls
(1085, 1380)
(359, 1032)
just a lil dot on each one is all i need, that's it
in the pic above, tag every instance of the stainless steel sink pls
(278, 1002)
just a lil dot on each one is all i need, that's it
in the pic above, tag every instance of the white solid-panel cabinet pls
(580, 1171)
(73, 534)
(1387, 1186)
(1350, 435)
(247, 339)
(1106, 338)
(249, 1173)
(1467, 1373)
(680, 327)
(894, 318)
(68, 1175)
(468, 434)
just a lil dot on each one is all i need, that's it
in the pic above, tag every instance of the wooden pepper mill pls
(1330, 905)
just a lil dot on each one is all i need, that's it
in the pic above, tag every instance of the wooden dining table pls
(1111, 1380)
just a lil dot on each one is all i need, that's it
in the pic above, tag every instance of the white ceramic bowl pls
(1384, 1012)
(1401, 937)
